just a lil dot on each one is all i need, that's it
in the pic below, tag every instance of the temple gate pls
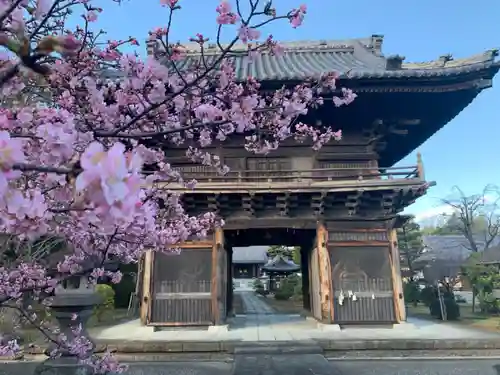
(341, 204)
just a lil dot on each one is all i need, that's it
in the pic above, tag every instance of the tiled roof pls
(355, 58)
(492, 255)
(280, 264)
(251, 254)
(452, 247)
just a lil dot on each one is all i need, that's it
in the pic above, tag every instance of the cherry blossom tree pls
(83, 160)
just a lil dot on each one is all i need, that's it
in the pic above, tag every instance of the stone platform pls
(262, 327)
(294, 333)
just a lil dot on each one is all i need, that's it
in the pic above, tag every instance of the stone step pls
(281, 364)
(278, 347)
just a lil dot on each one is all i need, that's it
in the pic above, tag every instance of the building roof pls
(490, 256)
(280, 264)
(453, 248)
(351, 58)
(251, 254)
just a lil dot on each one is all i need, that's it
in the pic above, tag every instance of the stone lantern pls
(75, 297)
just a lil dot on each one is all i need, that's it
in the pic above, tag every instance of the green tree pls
(410, 244)
(290, 252)
(483, 279)
(476, 217)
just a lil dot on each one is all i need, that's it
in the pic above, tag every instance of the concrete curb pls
(297, 346)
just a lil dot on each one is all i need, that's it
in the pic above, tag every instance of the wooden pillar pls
(230, 292)
(397, 282)
(305, 269)
(420, 167)
(146, 287)
(325, 274)
(219, 276)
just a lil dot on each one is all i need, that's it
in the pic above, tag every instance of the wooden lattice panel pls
(362, 236)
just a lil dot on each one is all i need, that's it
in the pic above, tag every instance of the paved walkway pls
(291, 365)
(260, 323)
(292, 328)
(252, 304)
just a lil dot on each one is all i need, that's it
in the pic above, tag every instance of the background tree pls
(476, 217)
(410, 245)
(289, 252)
(483, 279)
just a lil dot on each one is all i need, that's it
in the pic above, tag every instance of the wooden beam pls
(202, 244)
(359, 243)
(179, 324)
(217, 291)
(325, 273)
(397, 288)
(146, 287)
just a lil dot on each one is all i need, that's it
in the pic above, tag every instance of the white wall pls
(246, 285)
(243, 285)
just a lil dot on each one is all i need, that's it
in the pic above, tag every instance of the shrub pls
(411, 292)
(297, 292)
(262, 291)
(287, 288)
(257, 284)
(488, 303)
(428, 295)
(125, 288)
(259, 288)
(107, 303)
(283, 295)
(451, 306)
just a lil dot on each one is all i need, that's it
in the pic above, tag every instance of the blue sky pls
(464, 152)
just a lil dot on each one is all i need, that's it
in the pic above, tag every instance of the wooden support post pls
(325, 274)
(420, 167)
(218, 274)
(146, 287)
(397, 285)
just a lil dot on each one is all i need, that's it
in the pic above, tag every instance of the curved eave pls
(423, 73)
(356, 80)
(398, 147)
(439, 111)
(280, 269)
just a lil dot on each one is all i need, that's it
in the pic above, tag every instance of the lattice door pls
(362, 284)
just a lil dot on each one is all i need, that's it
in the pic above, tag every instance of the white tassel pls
(373, 296)
(354, 298)
(349, 293)
(341, 298)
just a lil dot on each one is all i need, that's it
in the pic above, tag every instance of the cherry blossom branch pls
(9, 10)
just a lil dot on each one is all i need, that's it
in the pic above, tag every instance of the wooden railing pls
(315, 175)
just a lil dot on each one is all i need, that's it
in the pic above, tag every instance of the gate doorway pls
(277, 278)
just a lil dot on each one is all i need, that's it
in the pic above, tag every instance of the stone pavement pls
(412, 367)
(261, 325)
(280, 329)
(296, 365)
(282, 364)
(252, 304)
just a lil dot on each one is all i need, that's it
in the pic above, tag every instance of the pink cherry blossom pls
(247, 34)
(82, 156)
(225, 14)
(91, 16)
(42, 7)
(297, 15)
